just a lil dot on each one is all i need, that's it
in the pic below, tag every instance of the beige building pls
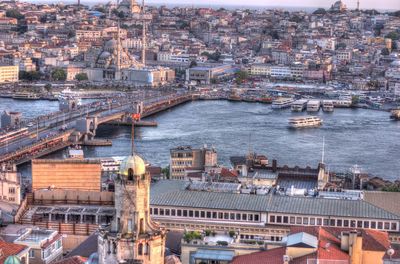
(70, 174)
(10, 187)
(184, 157)
(8, 73)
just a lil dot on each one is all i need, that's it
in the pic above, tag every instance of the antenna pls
(323, 149)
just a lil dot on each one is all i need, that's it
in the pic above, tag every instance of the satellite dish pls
(390, 252)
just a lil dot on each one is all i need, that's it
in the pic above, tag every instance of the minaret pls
(358, 5)
(322, 174)
(143, 37)
(118, 70)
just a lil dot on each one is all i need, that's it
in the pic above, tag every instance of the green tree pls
(30, 76)
(393, 35)
(241, 76)
(81, 76)
(59, 74)
(165, 171)
(385, 51)
(320, 11)
(14, 13)
(48, 87)
(193, 63)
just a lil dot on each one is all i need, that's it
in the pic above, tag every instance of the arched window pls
(130, 174)
(147, 249)
(140, 249)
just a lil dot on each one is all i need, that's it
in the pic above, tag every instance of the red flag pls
(136, 117)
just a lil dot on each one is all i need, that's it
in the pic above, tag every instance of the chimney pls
(274, 165)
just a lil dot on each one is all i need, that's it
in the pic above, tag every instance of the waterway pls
(367, 138)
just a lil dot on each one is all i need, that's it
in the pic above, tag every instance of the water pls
(364, 137)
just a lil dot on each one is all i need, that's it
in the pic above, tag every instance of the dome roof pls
(111, 44)
(105, 54)
(135, 163)
(12, 260)
(396, 63)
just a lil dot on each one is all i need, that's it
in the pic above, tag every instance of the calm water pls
(363, 137)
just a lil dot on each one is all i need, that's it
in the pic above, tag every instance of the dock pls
(138, 124)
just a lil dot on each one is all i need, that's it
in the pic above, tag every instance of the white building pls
(8, 73)
(10, 188)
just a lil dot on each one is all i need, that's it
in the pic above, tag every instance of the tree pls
(14, 13)
(59, 74)
(47, 87)
(385, 51)
(81, 76)
(320, 11)
(30, 76)
(193, 63)
(393, 35)
(241, 76)
(165, 171)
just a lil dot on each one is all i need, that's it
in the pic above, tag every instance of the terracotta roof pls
(9, 249)
(374, 240)
(72, 260)
(271, 256)
(227, 173)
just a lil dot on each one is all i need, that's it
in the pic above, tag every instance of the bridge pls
(65, 129)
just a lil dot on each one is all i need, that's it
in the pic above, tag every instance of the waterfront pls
(364, 137)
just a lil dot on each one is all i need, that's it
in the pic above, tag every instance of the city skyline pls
(365, 4)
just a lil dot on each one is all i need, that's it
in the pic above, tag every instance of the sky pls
(364, 4)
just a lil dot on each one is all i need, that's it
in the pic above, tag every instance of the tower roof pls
(134, 162)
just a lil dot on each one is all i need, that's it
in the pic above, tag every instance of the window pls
(179, 212)
(202, 214)
(166, 211)
(151, 210)
(332, 222)
(298, 220)
(244, 216)
(380, 225)
(190, 213)
(272, 218)
(292, 219)
(196, 214)
(366, 224)
(346, 223)
(130, 225)
(319, 221)
(173, 212)
(232, 216)
(359, 224)
(250, 217)
(161, 211)
(11, 190)
(140, 249)
(185, 213)
(373, 224)
(31, 253)
(326, 222)
(387, 225)
(393, 226)
(156, 211)
(256, 217)
(339, 222)
(279, 219)
(214, 215)
(305, 220)
(226, 216)
(312, 221)
(208, 214)
(238, 217)
(353, 223)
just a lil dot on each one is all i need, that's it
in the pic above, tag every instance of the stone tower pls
(133, 237)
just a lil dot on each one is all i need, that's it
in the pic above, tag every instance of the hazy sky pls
(364, 4)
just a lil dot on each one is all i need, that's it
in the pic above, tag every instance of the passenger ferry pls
(327, 105)
(313, 105)
(299, 105)
(110, 164)
(68, 100)
(283, 102)
(342, 103)
(304, 122)
(25, 96)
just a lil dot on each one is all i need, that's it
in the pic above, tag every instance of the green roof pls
(174, 193)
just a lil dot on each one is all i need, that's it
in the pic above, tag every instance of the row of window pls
(205, 214)
(187, 163)
(319, 221)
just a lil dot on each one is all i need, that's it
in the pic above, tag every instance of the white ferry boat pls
(283, 102)
(313, 105)
(299, 105)
(327, 105)
(342, 103)
(303, 122)
(110, 164)
(25, 96)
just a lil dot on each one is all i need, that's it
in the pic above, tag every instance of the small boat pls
(305, 122)
(395, 114)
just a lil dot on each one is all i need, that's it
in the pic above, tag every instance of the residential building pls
(8, 74)
(10, 181)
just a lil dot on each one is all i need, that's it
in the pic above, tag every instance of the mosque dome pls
(135, 163)
(111, 45)
(105, 54)
(12, 260)
(395, 63)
